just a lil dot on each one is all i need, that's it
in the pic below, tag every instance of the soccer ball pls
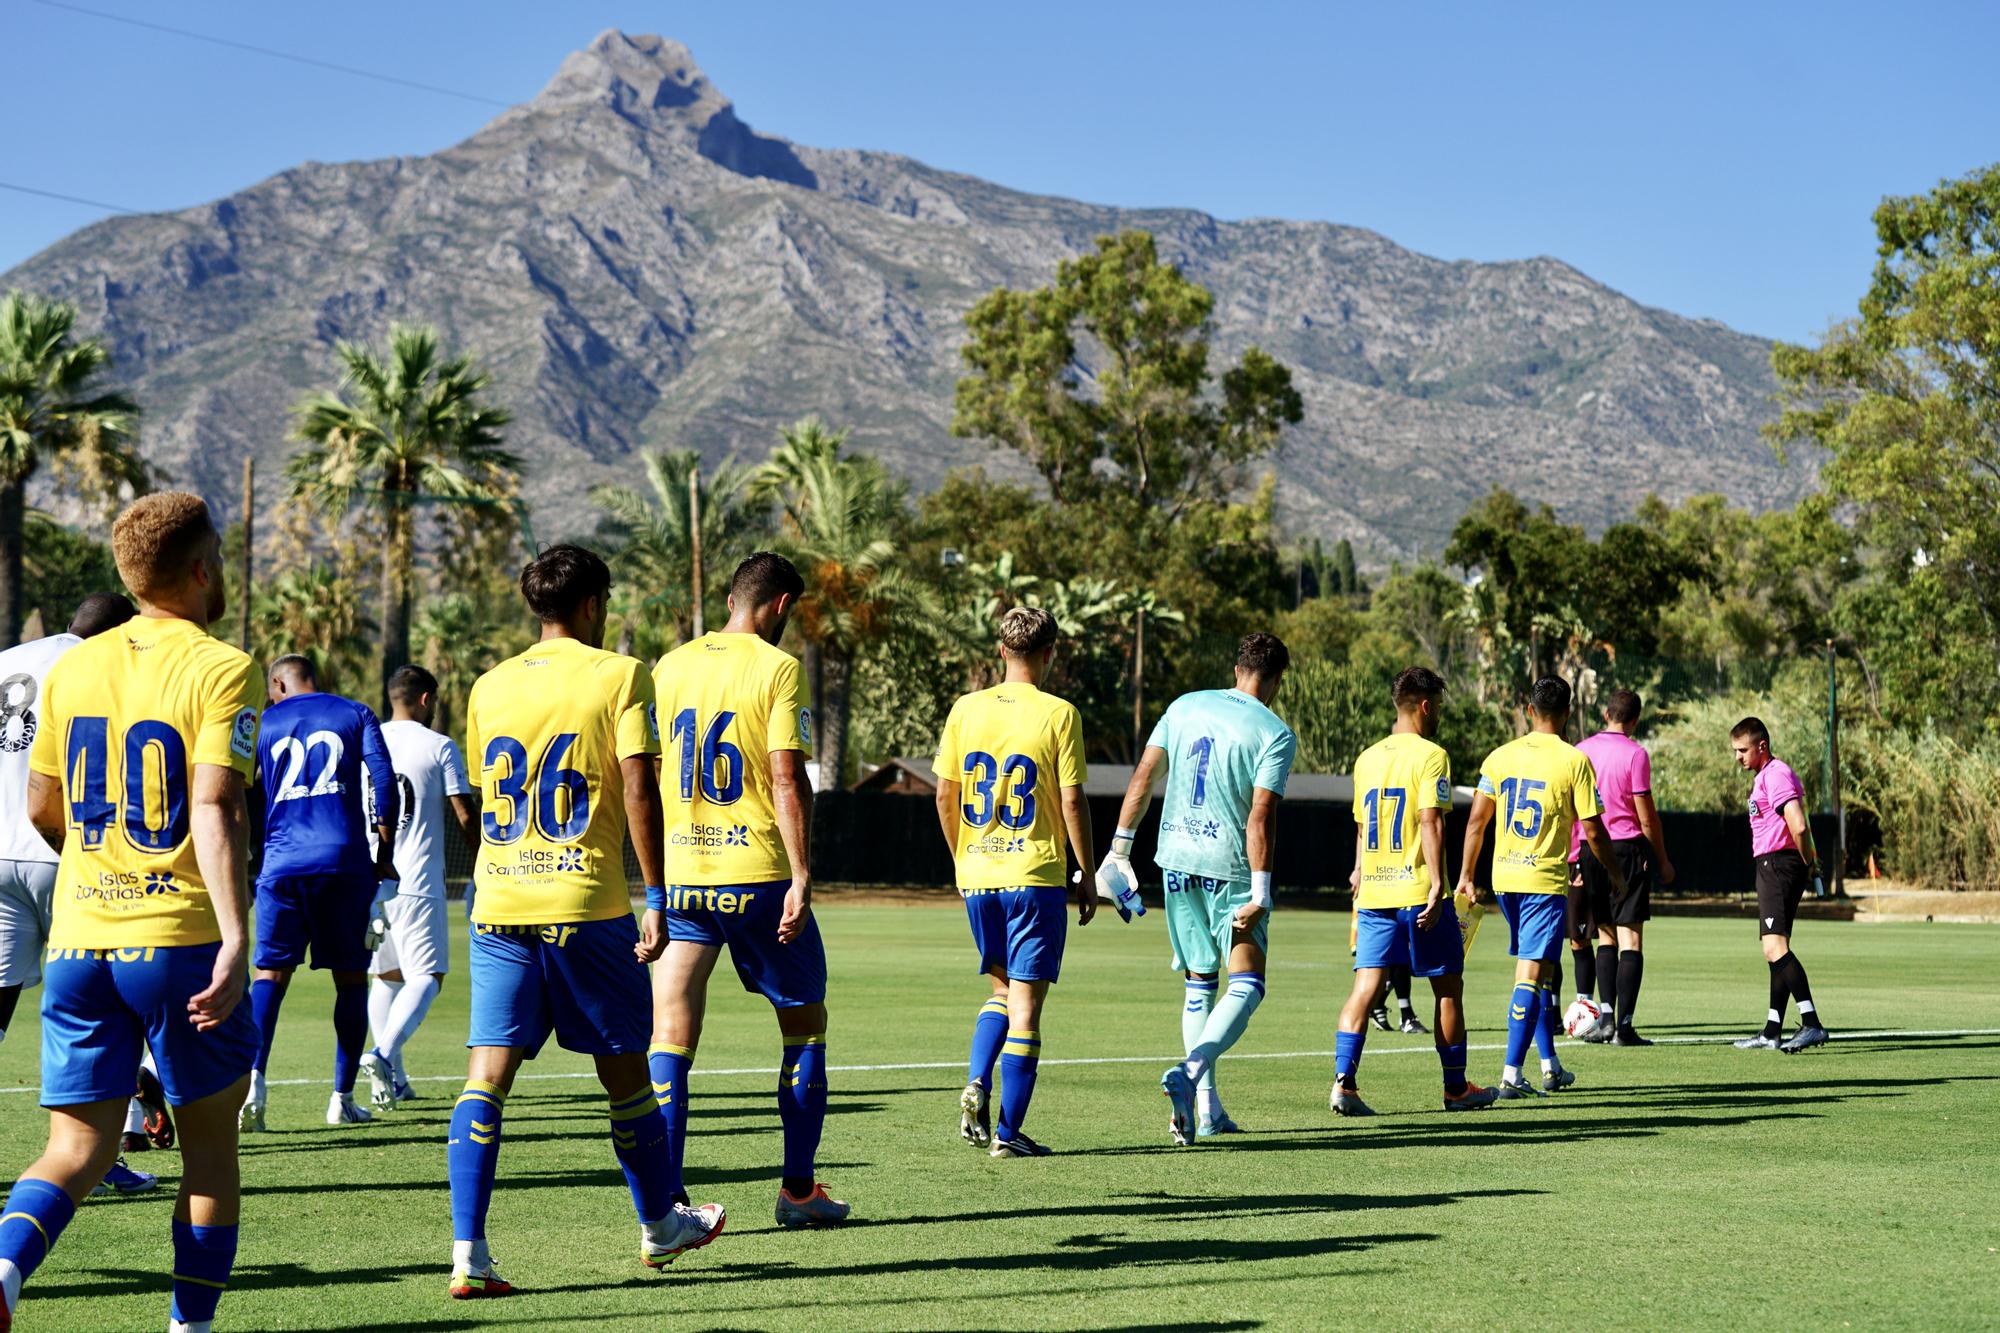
(1580, 1017)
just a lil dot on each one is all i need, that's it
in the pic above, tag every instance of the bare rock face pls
(638, 268)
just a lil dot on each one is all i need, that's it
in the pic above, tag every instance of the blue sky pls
(1719, 160)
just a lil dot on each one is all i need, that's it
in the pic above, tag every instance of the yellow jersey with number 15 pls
(545, 733)
(1011, 749)
(1395, 780)
(1542, 785)
(126, 716)
(727, 703)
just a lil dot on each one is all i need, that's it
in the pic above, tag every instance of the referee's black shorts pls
(1635, 860)
(1782, 880)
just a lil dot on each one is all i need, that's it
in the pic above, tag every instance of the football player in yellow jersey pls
(1010, 796)
(738, 725)
(1546, 786)
(1404, 913)
(137, 772)
(561, 740)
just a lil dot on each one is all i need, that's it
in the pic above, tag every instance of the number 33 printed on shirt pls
(983, 776)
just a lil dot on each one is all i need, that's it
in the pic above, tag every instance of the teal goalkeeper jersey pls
(1221, 746)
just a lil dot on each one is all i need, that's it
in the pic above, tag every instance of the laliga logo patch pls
(653, 720)
(243, 736)
(1444, 789)
(806, 725)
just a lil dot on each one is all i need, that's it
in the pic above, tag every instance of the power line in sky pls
(67, 198)
(273, 53)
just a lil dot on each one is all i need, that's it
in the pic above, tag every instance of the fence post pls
(1833, 774)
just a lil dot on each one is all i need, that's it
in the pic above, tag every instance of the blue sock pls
(1226, 1022)
(472, 1156)
(1018, 1061)
(203, 1257)
(1452, 1059)
(1523, 1011)
(639, 1141)
(350, 1033)
(989, 1030)
(1545, 1024)
(670, 1065)
(265, 997)
(802, 1110)
(32, 1218)
(1347, 1055)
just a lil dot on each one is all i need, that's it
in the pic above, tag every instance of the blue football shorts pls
(1537, 924)
(99, 1006)
(745, 917)
(329, 913)
(1389, 937)
(1020, 931)
(581, 981)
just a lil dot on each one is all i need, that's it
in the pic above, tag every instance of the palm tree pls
(49, 413)
(651, 553)
(416, 429)
(461, 639)
(317, 614)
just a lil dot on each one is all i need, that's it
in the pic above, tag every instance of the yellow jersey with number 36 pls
(126, 716)
(1395, 780)
(1011, 749)
(727, 703)
(1542, 785)
(545, 733)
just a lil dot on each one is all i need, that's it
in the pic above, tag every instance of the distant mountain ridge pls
(639, 268)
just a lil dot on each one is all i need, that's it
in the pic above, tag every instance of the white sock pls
(1211, 1103)
(1808, 1016)
(1550, 1066)
(381, 999)
(198, 1326)
(470, 1255)
(404, 1016)
(1510, 1074)
(135, 1118)
(10, 1282)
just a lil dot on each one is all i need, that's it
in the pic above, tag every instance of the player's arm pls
(1649, 824)
(1116, 879)
(647, 822)
(219, 824)
(791, 796)
(1076, 825)
(1475, 838)
(388, 794)
(45, 810)
(465, 813)
(1802, 838)
(1600, 847)
(1430, 835)
(947, 813)
(1260, 846)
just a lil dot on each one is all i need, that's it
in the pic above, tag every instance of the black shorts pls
(1582, 925)
(1782, 879)
(1635, 861)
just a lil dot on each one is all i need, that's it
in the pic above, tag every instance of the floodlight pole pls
(694, 542)
(1833, 774)
(249, 534)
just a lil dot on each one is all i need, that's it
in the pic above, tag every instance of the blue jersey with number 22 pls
(1221, 746)
(309, 758)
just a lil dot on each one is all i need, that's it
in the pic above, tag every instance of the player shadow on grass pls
(1158, 1204)
(609, 1177)
(1483, 1131)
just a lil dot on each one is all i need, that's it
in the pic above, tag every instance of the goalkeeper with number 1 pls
(1227, 757)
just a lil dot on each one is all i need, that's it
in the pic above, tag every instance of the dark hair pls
(1752, 727)
(407, 684)
(1414, 684)
(763, 577)
(294, 665)
(99, 612)
(1263, 655)
(1622, 707)
(1026, 630)
(561, 579)
(1550, 697)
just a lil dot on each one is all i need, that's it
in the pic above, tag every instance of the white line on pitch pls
(1138, 1059)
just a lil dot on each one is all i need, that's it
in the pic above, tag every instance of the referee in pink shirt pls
(1782, 847)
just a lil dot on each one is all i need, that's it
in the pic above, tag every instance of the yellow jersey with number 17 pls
(1011, 749)
(545, 733)
(1395, 780)
(727, 703)
(126, 716)
(1542, 785)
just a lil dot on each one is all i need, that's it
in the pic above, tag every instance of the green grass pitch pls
(1689, 1185)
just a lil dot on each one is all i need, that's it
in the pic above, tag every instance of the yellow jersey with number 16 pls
(545, 733)
(126, 716)
(727, 703)
(1542, 785)
(1011, 749)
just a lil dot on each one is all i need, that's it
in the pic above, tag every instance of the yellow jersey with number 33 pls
(1395, 780)
(1542, 785)
(727, 703)
(545, 733)
(126, 716)
(1011, 749)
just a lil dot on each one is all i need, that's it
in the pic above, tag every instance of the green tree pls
(1141, 328)
(652, 551)
(318, 614)
(53, 411)
(60, 568)
(403, 427)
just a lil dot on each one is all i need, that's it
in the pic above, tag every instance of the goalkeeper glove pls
(1116, 880)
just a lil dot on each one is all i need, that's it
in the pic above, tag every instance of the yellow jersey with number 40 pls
(126, 716)
(727, 703)
(1542, 785)
(1395, 780)
(545, 733)
(1011, 749)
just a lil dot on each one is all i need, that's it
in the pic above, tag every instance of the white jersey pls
(428, 769)
(22, 670)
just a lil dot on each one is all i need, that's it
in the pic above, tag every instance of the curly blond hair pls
(1026, 630)
(157, 540)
